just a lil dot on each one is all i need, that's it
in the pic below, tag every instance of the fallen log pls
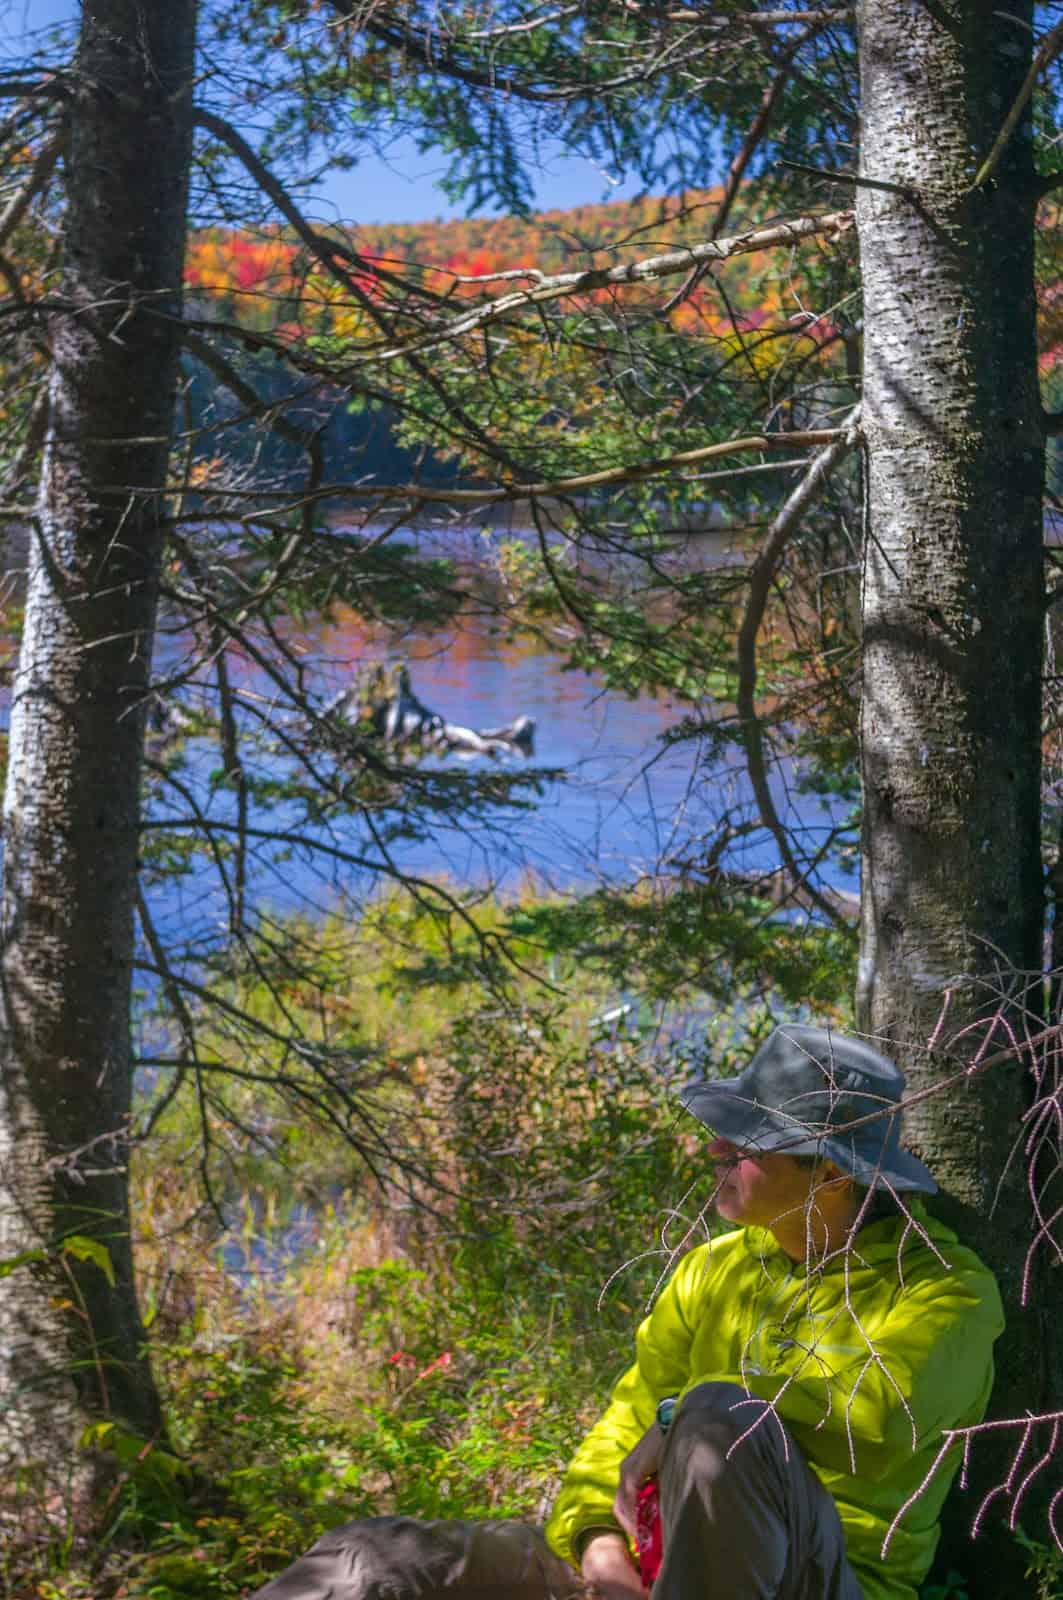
(387, 703)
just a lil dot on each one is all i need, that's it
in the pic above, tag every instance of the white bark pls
(952, 891)
(70, 1345)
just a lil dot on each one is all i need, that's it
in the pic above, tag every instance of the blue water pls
(620, 804)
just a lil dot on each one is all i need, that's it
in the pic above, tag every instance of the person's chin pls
(729, 1207)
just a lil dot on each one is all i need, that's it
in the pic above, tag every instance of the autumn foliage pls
(266, 279)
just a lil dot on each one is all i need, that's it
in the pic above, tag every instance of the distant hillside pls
(264, 280)
(550, 240)
(259, 270)
(225, 263)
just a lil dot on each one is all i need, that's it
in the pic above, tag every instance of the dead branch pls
(761, 579)
(549, 489)
(1045, 54)
(269, 412)
(757, 129)
(41, 170)
(176, 1001)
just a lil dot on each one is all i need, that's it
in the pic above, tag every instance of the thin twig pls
(1045, 53)
(755, 133)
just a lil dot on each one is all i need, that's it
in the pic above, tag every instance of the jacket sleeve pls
(924, 1366)
(662, 1367)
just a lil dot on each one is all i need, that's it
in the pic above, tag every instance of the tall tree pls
(72, 1339)
(953, 620)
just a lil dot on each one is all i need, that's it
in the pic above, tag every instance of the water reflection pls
(620, 801)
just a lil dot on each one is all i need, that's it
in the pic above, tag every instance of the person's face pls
(759, 1190)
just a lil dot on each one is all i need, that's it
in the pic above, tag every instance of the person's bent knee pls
(403, 1558)
(722, 1443)
(726, 1403)
(724, 1415)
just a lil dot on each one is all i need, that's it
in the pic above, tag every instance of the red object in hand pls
(648, 1531)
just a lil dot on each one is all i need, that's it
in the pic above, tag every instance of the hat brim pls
(725, 1107)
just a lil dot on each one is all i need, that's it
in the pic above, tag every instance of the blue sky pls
(401, 188)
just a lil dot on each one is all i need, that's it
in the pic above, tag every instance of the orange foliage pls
(267, 280)
(226, 262)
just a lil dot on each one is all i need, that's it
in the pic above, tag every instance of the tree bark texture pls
(952, 890)
(71, 1346)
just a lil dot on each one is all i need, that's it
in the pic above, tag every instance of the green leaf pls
(23, 1259)
(85, 1249)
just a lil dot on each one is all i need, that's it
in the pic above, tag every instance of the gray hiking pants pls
(744, 1518)
(743, 1515)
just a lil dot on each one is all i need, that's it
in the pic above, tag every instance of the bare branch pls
(32, 441)
(40, 171)
(268, 411)
(762, 576)
(757, 129)
(1046, 52)
(855, 178)
(433, 53)
(769, 19)
(431, 48)
(325, 248)
(176, 1000)
(1015, 1492)
(51, 84)
(235, 774)
(506, 30)
(549, 489)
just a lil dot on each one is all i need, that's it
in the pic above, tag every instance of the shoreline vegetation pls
(422, 1320)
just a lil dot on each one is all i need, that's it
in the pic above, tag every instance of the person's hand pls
(635, 1468)
(607, 1566)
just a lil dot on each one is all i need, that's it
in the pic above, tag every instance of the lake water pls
(622, 802)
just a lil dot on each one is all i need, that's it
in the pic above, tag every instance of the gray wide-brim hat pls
(799, 1094)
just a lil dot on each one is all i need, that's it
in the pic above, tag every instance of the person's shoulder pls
(931, 1261)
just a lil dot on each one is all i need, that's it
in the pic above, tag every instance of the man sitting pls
(790, 1387)
(837, 1318)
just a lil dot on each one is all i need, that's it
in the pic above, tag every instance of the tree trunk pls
(71, 1346)
(952, 892)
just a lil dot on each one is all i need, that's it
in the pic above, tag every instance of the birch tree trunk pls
(71, 1346)
(952, 895)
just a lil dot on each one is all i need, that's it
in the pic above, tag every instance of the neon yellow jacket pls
(740, 1310)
